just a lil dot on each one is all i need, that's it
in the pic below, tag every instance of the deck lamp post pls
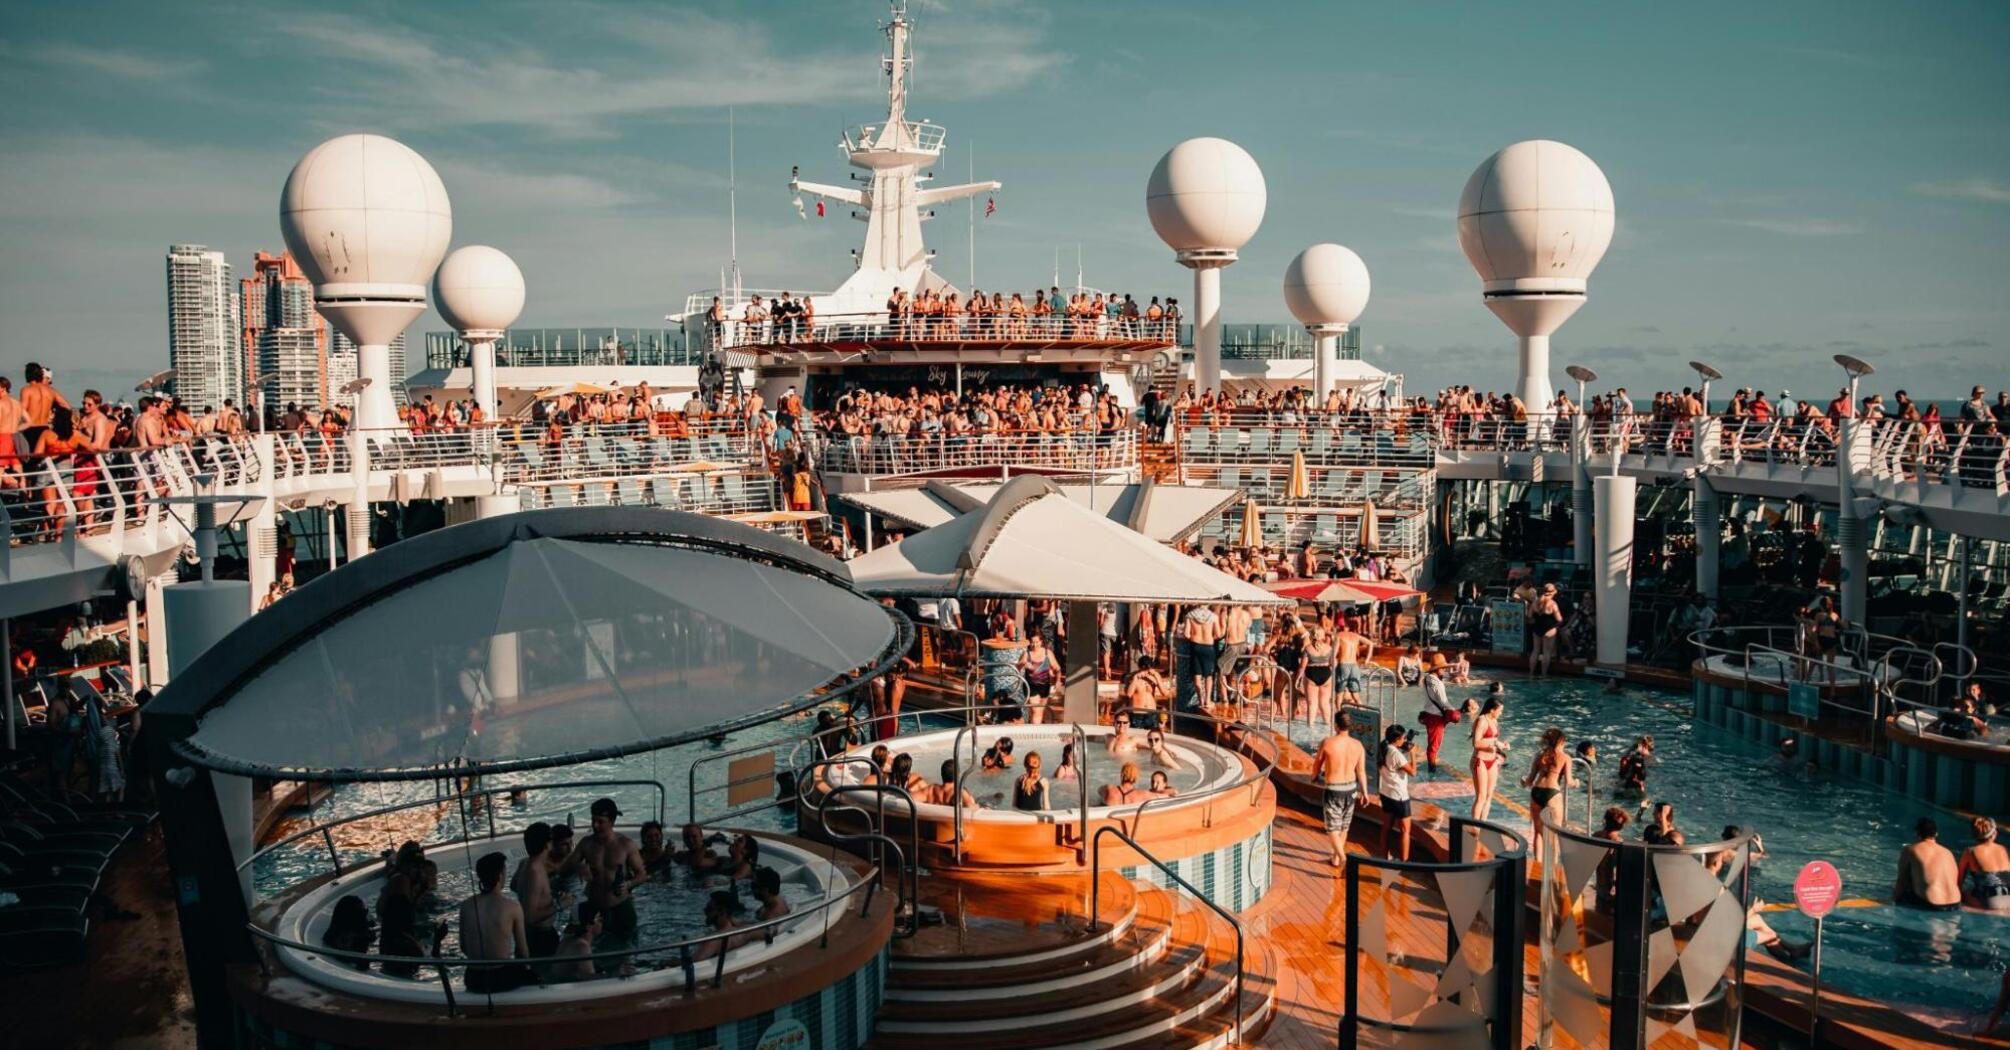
(1703, 507)
(1855, 554)
(1580, 471)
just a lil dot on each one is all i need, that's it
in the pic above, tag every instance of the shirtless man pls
(612, 861)
(532, 886)
(1351, 649)
(1235, 642)
(10, 427)
(1342, 769)
(1201, 629)
(39, 399)
(1147, 691)
(151, 426)
(492, 927)
(1928, 877)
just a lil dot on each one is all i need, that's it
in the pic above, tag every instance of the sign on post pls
(1804, 700)
(1510, 629)
(1816, 890)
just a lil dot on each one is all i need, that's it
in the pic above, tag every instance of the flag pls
(820, 209)
(799, 209)
(990, 206)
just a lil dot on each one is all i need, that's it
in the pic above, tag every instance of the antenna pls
(973, 216)
(733, 202)
(1078, 266)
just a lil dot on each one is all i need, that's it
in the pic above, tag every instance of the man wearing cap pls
(612, 862)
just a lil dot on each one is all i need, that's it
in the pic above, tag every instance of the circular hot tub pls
(668, 911)
(1214, 830)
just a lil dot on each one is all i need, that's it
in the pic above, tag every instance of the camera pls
(1409, 736)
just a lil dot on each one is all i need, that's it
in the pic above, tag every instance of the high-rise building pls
(205, 337)
(286, 342)
(344, 349)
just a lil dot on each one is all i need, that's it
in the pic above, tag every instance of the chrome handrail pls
(1096, 895)
(910, 858)
(323, 829)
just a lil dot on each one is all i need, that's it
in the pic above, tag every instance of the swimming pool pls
(1946, 962)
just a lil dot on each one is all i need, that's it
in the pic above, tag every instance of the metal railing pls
(893, 454)
(907, 912)
(1014, 326)
(1508, 867)
(920, 135)
(1096, 897)
(1950, 452)
(1391, 439)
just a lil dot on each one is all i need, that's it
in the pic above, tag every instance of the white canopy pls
(1165, 513)
(1031, 541)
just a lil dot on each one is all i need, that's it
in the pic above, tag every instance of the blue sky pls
(1793, 179)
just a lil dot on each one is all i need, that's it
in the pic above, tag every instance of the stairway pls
(1158, 972)
(1159, 460)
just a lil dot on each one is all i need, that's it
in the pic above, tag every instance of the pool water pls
(993, 789)
(1952, 962)
(666, 909)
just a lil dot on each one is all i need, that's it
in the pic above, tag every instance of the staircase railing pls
(1096, 893)
(907, 885)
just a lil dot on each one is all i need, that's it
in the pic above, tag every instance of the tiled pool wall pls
(1235, 876)
(1951, 781)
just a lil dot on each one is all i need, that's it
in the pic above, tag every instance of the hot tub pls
(668, 911)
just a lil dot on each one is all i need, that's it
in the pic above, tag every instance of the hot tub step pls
(992, 920)
(1151, 931)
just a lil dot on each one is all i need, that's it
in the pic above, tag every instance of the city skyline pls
(1791, 183)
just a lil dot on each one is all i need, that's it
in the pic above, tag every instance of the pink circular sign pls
(1817, 888)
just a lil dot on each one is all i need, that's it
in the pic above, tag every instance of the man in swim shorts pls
(1201, 628)
(1351, 649)
(1342, 769)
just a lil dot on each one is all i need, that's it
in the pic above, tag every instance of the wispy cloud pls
(1978, 188)
(1800, 227)
(125, 65)
(662, 62)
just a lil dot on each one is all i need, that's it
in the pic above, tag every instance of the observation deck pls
(888, 143)
(875, 338)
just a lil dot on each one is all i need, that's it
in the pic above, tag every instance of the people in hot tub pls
(410, 876)
(532, 885)
(742, 857)
(998, 757)
(1121, 741)
(1928, 878)
(720, 909)
(697, 853)
(1029, 792)
(1162, 756)
(1126, 789)
(1161, 785)
(902, 774)
(350, 930)
(1985, 869)
(613, 863)
(578, 943)
(880, 758)
(950, 793)
(656, 855)
(768, 890)
(1067, 770)
(492, 928)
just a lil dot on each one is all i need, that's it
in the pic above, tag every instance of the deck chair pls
(1229, 478)
(630, 492)
(1322, 441)
(1197, 442)
(1259, 441)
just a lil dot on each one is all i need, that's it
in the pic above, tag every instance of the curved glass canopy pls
(546, 651)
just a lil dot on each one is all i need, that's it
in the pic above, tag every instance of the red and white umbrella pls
(1352, 592)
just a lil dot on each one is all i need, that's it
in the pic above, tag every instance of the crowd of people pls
(941, 314)
(567, 912)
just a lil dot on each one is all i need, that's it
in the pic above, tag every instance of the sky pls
(1794, 180)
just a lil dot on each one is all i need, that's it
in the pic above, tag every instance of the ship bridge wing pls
(955, 193)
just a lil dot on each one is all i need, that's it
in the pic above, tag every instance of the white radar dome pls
(478, 289)
(1536, 218)
(366, 217)
(1326, 284)
(1206, 193)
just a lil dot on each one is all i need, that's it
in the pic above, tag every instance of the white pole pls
(972, 200)
(1535, 391)
(1580, 482)
(1612, 578)
(374, 408)
(482, 361)
(1855, 559)
(1207, 328)
(733, 203)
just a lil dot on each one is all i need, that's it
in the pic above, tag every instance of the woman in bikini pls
(1126, 790)
(1317, 678)
(1287, 655)
(1488, 749)
(1029, 792)
(1547, 779)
